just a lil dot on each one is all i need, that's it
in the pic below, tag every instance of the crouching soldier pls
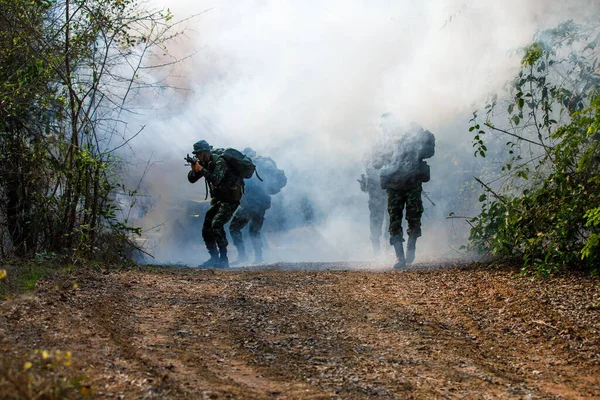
(225, 188)
(255, 203)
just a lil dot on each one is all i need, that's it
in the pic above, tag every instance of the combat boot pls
(257, 244)
(212, 261)
(410, 249)
(396, 241)
(400, 262)
(223, 260)
(258, 258)
(242, 258)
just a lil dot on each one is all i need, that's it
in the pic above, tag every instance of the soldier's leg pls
(377, 210)
(386, 225)
(396, 200)
(222, 217)
(414, 211)
(386, 219)
(209, 237)
(256, 222)
(239, 221)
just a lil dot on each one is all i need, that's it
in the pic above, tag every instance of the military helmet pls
(201, 146)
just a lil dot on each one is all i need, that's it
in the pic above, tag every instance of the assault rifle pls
(427, 197)
(190, 160)
(363, 181)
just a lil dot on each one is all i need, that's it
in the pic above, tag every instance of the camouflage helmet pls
(249, 152)
(201, 146)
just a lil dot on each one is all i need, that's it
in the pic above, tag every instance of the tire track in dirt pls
(267, 334)
(177, 323)
(351, 344)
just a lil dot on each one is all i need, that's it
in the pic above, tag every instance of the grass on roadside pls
(42, 374)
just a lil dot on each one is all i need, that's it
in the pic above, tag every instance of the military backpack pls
(240, 164)
(273, 178)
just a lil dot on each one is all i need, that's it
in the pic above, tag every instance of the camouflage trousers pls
(377, 212)
(398, 200)
(256, 217)
(213, 230)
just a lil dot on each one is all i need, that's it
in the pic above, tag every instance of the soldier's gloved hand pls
(196, 167)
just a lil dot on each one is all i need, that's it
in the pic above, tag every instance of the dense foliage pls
(68, 69)
(544, 207)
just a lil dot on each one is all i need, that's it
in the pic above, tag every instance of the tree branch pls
(518, 137)
(489, 189)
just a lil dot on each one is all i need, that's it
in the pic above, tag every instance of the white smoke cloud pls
(306, 81)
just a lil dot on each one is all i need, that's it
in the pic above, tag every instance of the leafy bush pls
(68, 71)
(545, 210)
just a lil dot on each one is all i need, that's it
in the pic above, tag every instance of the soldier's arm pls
(194, 173)
(193, 176)
(218, 173)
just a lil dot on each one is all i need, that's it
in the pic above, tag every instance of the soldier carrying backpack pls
(224, 171)
(254, 204)
(403, 171)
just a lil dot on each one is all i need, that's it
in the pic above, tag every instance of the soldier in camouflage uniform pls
(254, 204)
(371, 184)
(226, 190)
(403, 171)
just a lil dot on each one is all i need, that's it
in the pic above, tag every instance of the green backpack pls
(241, 165)
(273, 178)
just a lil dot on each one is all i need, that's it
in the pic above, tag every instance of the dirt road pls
(292, 333)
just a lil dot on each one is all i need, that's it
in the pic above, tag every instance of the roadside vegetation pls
(71, 72)
(542, 207)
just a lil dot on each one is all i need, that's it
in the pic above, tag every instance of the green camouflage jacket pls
(223, 184)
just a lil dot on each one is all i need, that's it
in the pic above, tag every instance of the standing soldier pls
(371, 184)
(403, 171)
(254, 204)
(226, 188)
